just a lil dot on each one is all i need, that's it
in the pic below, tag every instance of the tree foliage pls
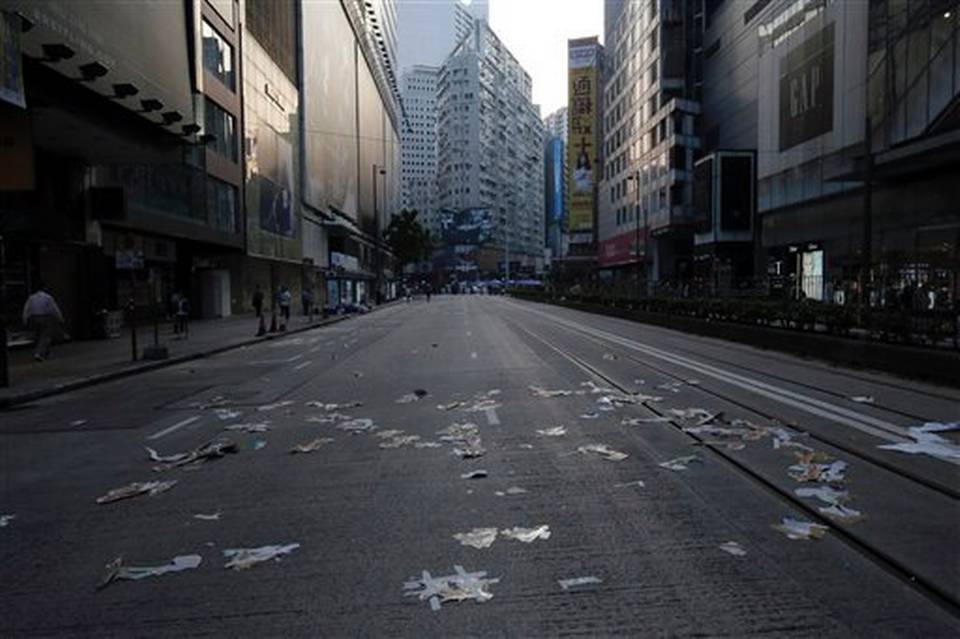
(407, 238)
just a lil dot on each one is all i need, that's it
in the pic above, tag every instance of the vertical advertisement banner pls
(582, 105)
(11, 60)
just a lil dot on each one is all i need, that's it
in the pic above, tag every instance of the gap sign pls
(806, 89)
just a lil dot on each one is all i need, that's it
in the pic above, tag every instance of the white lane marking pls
(303, 365)
(170, 429)
(864, 423)
(288, 360)
(492, 418)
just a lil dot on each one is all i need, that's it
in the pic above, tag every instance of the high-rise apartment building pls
(430, 29)
(555, 124)
(650, 137)
(419, 144)
(490, 148)
(555, 181)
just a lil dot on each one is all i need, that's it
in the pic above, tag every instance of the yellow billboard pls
(582, 111)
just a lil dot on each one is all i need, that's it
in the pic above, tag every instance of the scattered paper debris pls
(399, 441)
(470, 450)
(332, 418)
(637, 483)
(408, 399)
(259, 444)
(680, 463)
(428, 444)
(526, 446)
(217, 400)
(329, 407)
(576, 582)
(136, 489)
(604, 451)
(226, 413)
(116, 570)
(513, 490)
(458, 587)
(609, 357)
(553, 431)
(6, 519)
(387, 434)
(636, 421)
(211, 450)
(808, 470)
(311, 446)
(543, 393)
(451, 405)
(253, 427)
(482, 406)
(797, 529)
(211, 517)
(589, 415)
(527, 535)
(478, 538)
(836, 507)
(733, 548)
(862, 399)
(783, 438)
(360, 425)
(673, 387)
(78, 422)
(241, 558)
(357, 374)
(593, 389)
(474, 474)
(927, 442)
(274, 406)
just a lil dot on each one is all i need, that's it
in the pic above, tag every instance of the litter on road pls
(474, 474)
(136, 489)
(227, 413)
(259, 444)
(542, 393)
(636, 421)
(211, 517)
(638, 483)
(593, 389)
(577, 582)
(460, 586)
(329, 407)
(241, 558)
(609, 357)
(527, 535)
(311, 446)
(470, 450)
(553, 431)
(451, 405)
(360, 425)
(78, 422)
(927, 442)
(211, 450)
(258, 427)
(680, 463)
(332, 418)
(387, 434)
(604, 451)
(274, 406)
(590, 415)
(782, 438)
(6, 519)
(513, 490)
(116, 570)
(428, 444)
(399, 441)
(862, 399)
(807, 470)
(478, 538)
(797, 529)
(733, 548)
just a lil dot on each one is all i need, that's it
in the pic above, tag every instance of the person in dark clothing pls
(306, 299)
(258, 301)
(428, 290)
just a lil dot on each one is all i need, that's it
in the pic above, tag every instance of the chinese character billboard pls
(582, 107)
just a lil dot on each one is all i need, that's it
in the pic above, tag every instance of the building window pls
(222, 202)
(223, 126)
(218, 56)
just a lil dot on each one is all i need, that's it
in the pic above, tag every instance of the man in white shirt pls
(43, 316)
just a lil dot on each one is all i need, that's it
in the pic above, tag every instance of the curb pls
(93, 380)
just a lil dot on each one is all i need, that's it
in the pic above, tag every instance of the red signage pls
(621, 249)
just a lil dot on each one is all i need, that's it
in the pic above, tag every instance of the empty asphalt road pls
(529, 389)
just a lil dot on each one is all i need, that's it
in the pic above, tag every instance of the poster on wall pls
(275, 156)
(11, 61)
(806, 89)
(582, 133)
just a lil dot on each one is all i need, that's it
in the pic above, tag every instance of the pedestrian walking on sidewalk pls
(42, 315)
(258, 301)
(306, 299)
(284, 299)
(182, 323)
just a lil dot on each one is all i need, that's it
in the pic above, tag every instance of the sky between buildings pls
(536, 32)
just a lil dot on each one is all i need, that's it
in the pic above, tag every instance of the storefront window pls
(218, 56)
(222, 205)
(222, 125)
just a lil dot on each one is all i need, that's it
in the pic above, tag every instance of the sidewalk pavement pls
(78, 364)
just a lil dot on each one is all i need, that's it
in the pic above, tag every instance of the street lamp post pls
(375, 170)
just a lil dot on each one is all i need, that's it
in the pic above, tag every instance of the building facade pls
(418, 144)
(650, 125)
(429, 31)
(490, 150)
(555, 182)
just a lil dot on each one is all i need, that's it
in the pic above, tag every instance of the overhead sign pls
(583, 135)
(129, 260)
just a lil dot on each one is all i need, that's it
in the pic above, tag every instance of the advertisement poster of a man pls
(583, 172)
